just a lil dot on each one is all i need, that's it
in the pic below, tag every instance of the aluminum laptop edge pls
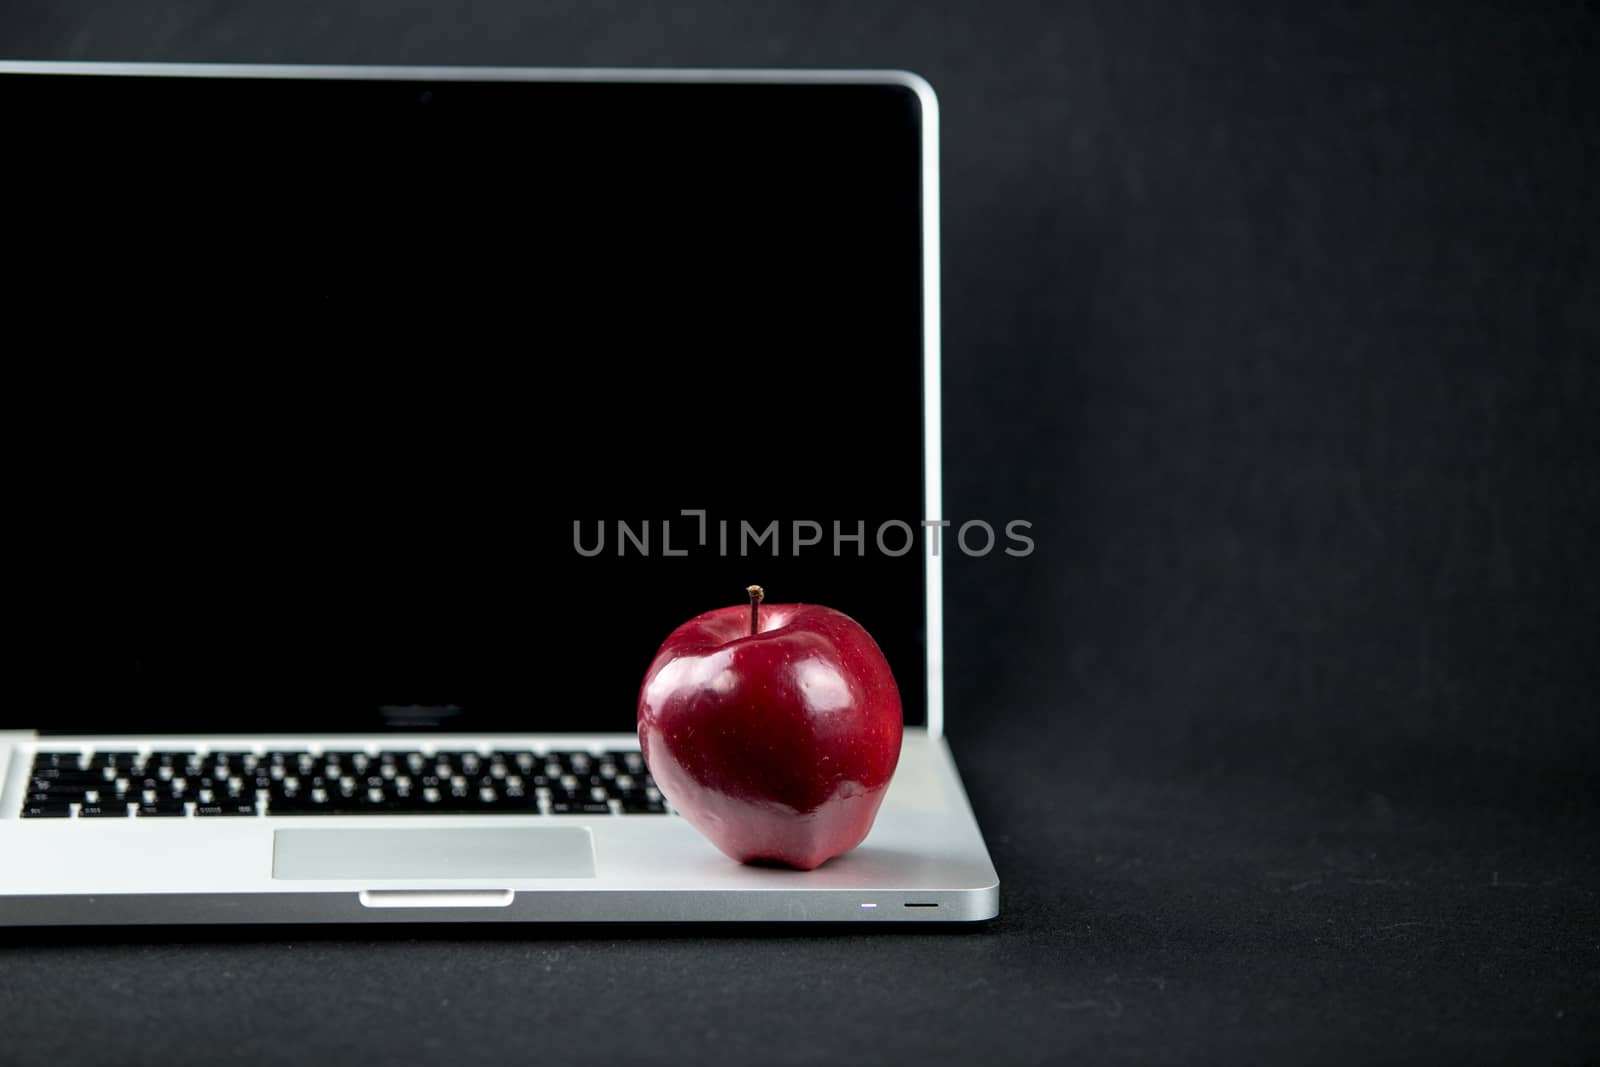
(924, 861)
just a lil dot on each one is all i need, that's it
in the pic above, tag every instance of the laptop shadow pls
(250, 934)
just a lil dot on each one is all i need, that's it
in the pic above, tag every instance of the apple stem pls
(757, 595)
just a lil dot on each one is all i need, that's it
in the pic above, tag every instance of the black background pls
(1282, 327)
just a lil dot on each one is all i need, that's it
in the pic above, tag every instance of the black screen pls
(322, 391)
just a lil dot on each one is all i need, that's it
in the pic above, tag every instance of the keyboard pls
(156, 784)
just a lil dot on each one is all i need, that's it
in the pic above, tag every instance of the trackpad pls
(466, 852)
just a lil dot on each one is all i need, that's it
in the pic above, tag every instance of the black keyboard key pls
(105, 809)
(61, 788)
(50, 810)
(641, 806)
(579, 808)
(57, 760)
(163, 809)
(231, 807)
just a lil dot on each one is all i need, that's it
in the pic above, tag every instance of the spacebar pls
(418, 809)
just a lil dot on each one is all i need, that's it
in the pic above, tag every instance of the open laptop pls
(372, 428)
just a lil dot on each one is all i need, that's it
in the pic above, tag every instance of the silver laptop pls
(379, 424)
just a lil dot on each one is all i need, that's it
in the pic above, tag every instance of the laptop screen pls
(400, 405)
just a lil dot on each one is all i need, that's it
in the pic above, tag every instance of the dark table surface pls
(1311, 918)
(1282, 325)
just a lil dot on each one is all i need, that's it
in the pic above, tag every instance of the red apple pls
(774, 729)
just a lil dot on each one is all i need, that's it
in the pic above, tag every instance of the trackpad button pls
(467, 852)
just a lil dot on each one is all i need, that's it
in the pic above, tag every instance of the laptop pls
(372, 429)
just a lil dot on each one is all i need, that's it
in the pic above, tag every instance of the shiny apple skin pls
(777, 746)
